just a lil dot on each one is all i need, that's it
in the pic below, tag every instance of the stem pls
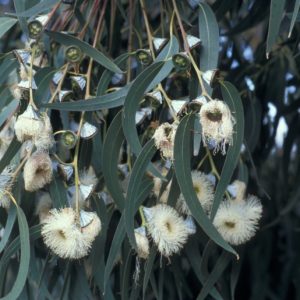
(31, 102)
(142, 216)
(187, 49)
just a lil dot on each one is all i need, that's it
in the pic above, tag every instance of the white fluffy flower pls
(43, 206)
(217, 124)
(164, 137)
(157, 187)
(37, 171)
(6, 185)
(44, 140)
(28, 125)
(142, 242)
(167, 229)
(91, 230)
(237, 189)
(63, 236)
(88, 177)
(237, 221)
(204, 190)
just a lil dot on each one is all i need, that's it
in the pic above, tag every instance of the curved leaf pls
(5, 24)
(134, 187)
(8, 111)
(182, 158)
(294, 17)
(111, 149)
(24, 260)
(117, 98)
(134, 96)
(233, 100)
(38, 8)
(10, 153)
(12, 213)
(217, 271)
(276, 14)
(209, 34)
(99, 57)
(120, 234)
(107, 101)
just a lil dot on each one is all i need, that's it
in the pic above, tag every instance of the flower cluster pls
(236, 219)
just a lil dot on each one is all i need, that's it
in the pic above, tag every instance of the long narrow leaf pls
(182, 155)
(232, 98)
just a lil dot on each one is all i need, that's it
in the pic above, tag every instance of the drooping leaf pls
(117, 98)
(5, 24)
(58, 192)
(8, 111)
(24, 260)
(134, 187)
(10, 153)
(20, 6)
(294, 16)
(12, 213)
(233, 100)
(217, 271)
(38, 8)
(209, 34)
(148, 268)
(98, 56)
(111, 149)
(276, 14)
(182, 162)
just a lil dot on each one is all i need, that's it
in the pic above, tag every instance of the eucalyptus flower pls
(217, 124)
(37, 171)
(237, 220)
(63, 236)
(204, 190)
(167, 229)
(164, 137)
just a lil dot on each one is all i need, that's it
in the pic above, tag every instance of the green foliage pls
(140, 64)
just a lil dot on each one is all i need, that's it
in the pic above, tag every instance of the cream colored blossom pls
(237, 189)
(37, 171)
(237, 221)
(217, 124)
(44, 140)
(93, 228)
(28, 125)
(6, 182)
(43, 206)
(204, 190)
(167, 228)
(163, 198)
(142, 242)
(164, 139)
(63, 236)
(88, 177)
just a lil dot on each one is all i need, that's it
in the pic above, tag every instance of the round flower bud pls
(73, 54)
(181, 61)
(144, 56)
(35, 29)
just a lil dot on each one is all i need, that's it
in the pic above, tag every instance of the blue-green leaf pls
(12, 213)
(217, 271)
(98, 56)
(232, 98)
(5, 24)
(24, 260)
(294, 16)
(8, 111)
(40, 7)
(276, 14)
(209, 34)
(111, 149)
(134, 187)
(182, 161)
